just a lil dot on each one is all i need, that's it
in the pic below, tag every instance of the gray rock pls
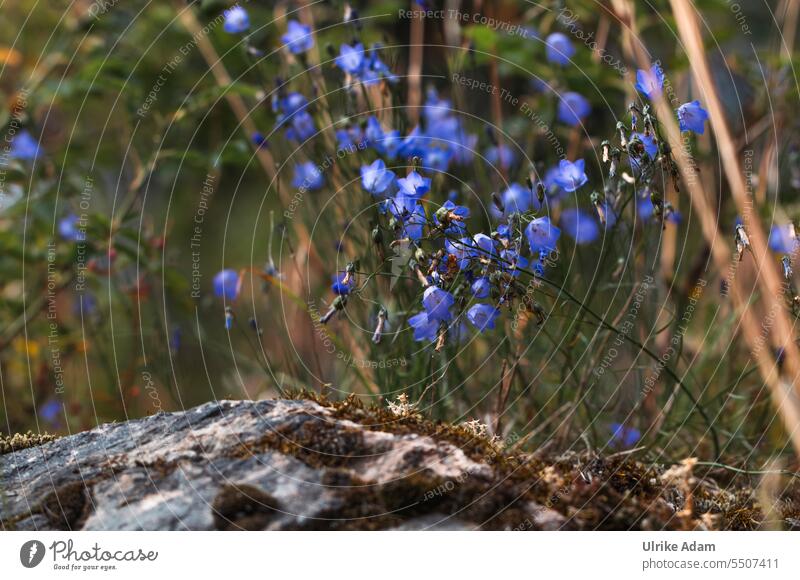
(275, 465)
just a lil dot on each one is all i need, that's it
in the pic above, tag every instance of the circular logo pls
(31, 553)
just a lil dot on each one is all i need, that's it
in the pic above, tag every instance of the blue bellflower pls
(692, 117)
(579, 225)
(482, 316)
(226, 284)
(425, 328)
(24, 147)
(70, 230)
(571, 176)
(298, 37)
(573, 108)
(650, 83)
(437, 303)
(307, 177)
(375, 178)
(236, 20)
(559, 48)
(542, 235)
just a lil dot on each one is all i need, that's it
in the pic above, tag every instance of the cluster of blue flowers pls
(465, 277)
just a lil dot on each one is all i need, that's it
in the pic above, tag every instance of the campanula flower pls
(650, 83)
(236, 20)
(50, 411)
(501, 155)
(425, 328)
(481, 287)
(24, 146)
(437, 303)
(414, 185)
(623, 435)
(517, 199)
(307, 177)
(339, 287)
(298, 37)
(542, 235)
(571, 176)
(70, 229)
(579, 225)
(649, 142)
(302, 127)
(512, 262)
(573, 108)
(482, 316)
(692, 117)
(463, 249)
(437, 158)
(485, 246)
(782, 239)
(258, 139)
(375, 178)
(226, 284)
(559, 48)
(453, 217)
(351, 58)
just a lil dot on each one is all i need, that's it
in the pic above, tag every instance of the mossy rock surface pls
(308, 463)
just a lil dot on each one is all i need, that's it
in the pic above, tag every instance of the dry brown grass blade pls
(783, 393)
(787, 397)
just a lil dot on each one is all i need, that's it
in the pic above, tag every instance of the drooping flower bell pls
(237, 20)
(298, 37)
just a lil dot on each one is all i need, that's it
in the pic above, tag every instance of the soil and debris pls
(311, 463)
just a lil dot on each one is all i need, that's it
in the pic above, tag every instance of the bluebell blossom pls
(307, 176)
(453, 216)
(437, 158)
(50, 411)
(70, 230)
(437, 303)
(351, 58)
(258, 139)
(623, 435)
(512, 262)
(517, 199)
(579, 225)
(649, 142)
(485, 245)
(302, 127)
(559, 48)
(226, 284)
(650, 83)
(571, 176)
(692, 117)
(782, 239)
(414, 185)
(425, 328)
(375, 178)
(463, 249)
(480, 287)
(339, 286)
(573, 108)
(482, 316)
(298, 37)
(413, 222)
(24, 146)
(542, 235)
(236, 20)
(501, 155)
